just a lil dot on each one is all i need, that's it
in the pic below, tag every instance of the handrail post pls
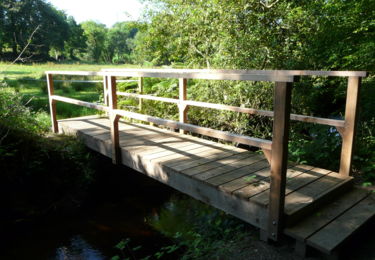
(140, 91)
(105, 90)
(52, 103)
(114, 119)
(349, 130)
(279, 159)
(182, 107)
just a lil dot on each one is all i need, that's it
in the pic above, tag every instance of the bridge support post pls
(348, 133)
(52, 103)
(114, 118)
(279, 159)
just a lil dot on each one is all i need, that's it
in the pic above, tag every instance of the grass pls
(36, 70)
(29, 80)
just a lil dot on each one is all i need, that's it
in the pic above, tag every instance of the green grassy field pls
(29, 80)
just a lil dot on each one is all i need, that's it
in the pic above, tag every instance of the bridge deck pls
(232, 179)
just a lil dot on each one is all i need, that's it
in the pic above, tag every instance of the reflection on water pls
(118, 209)
(78, 249)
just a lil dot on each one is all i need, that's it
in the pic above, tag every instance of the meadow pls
(29, 80)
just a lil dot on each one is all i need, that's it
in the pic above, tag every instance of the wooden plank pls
(302, 118)
(150, 146)
(243, 158)
(148, 97)
(308, 194)
(251, 177)
(351, 114)
(52, 103)
(325, 215)
(79, 103)
(253, 111)
(294, 184)
(258, 163)
(248, 212)
(224, 169)
(201, 74)
(203, 158)
(279, 158)
(261, 186)
(196, 154)
(266, 144)
(255, 72)
(193, 168)
(181, 148)
(77, 73)
(335, 233)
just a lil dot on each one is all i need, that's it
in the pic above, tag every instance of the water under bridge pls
(317, 207)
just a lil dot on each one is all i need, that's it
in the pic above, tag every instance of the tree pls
(75, 45)
(119, 42)
(20, 18)
(96, 36)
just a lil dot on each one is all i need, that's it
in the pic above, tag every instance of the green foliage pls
(38, 171)
(21, 18)
(202, 231)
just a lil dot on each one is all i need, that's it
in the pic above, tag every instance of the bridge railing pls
(276, 151)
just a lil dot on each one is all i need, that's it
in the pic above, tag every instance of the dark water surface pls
(119, 208)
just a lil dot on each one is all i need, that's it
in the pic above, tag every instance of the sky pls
(107, 12)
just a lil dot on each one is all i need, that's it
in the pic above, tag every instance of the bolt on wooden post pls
(279, 159)
(349, 130)
(182, 107)
(114, 119)
(52, 103)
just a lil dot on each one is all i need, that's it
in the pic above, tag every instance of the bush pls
(40, 171)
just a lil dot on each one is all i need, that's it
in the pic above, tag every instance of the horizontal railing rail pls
(276, 151)
(253, 111)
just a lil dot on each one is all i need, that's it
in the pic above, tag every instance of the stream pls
(119, 208)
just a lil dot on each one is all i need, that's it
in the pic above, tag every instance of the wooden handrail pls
(253, 111)
(252, 141)
(276, 150)
(80, 103)
(246, 72)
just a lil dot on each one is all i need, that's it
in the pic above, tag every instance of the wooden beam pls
(105, 90)
(182, 107)
(79, 103)
(52, 104)
(257, 142)
(348, 135)
(279, 159)
(250, 72)
(77, 73)
(302, 118)
(114, 118)
(201, 74)
(149, 97)
(140, 91)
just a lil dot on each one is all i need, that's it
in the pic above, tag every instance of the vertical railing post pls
(279, 158)
(348, 135)
(182, 107)
(105, 90)
(114, 119)
(140, 91)
(52, 103)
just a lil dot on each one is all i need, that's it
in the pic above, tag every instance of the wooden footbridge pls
(317, 207)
